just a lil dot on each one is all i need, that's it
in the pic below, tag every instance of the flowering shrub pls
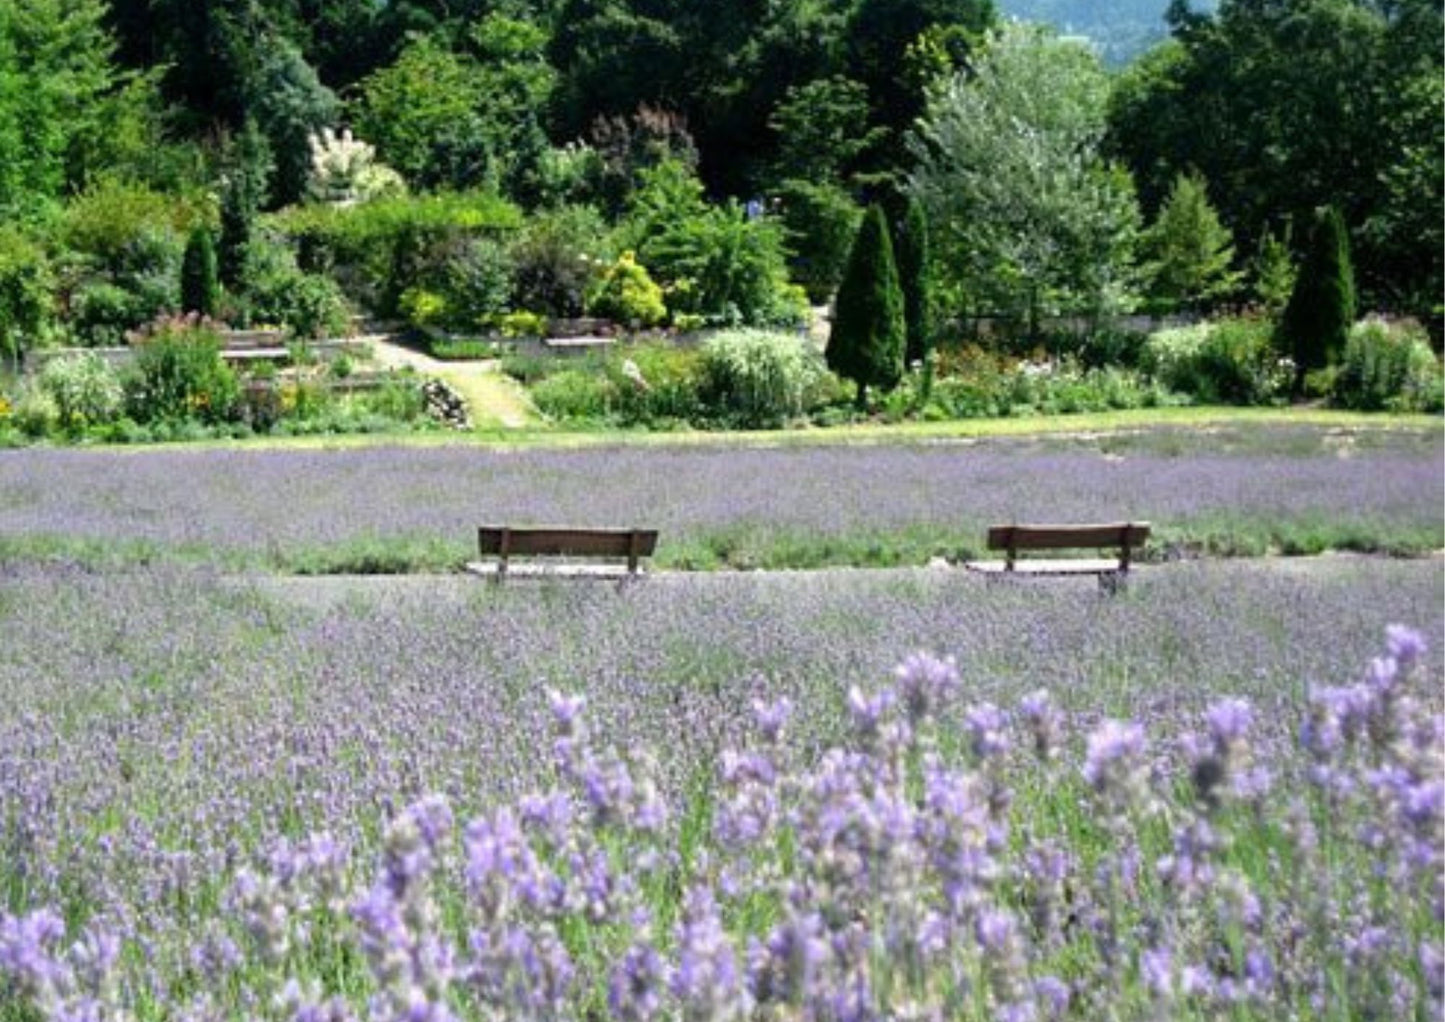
(627, 293)
(86, 390)
(1231, 361)
(942, 861)
(344, 170)
(1388, 366)
(178, 375)
(759, 378)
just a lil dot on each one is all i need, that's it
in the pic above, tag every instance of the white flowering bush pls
(344, 170)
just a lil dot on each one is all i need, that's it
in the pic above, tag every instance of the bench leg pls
(1113, 582)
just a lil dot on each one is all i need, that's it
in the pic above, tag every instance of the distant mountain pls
(1121, 29)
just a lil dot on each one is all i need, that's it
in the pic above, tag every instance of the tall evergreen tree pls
(200, 288)
(1321, 308)
(1190, 250)
(912, 256)
(869, 332)
(244, 182)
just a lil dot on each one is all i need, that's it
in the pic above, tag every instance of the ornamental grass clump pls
(940, 861)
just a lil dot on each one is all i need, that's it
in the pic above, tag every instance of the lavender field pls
(1216, 795)
(415, 508)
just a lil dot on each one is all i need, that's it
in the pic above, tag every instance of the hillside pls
(1121, 28)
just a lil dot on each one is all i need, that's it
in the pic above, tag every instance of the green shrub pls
(26, 292)
(556, 258)
(475, 275)
(178, 375)
(713, 261)
(462, 349)
(523, 324)
(757, 378)
(85, 389)
(655, 384)
(820, 221)
(579, 393)
(1321, 309)
(128, 228)
(101, 314)
(421, 307)
(1170, 356)
(379, 249)
(1238, 364)
(869, 333)
(306, 304)
(200, 288)
(1388, 366)
(628, 294)
(398, 398)
(35, 413)
(1231, 361)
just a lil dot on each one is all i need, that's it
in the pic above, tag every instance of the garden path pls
(493, 399)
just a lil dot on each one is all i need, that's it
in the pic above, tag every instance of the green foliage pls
(179, 375)
(1189, 251)
(1273, 274)
(914, 277)
(713, 261)
(306, 304)
(555, 258)
(26, 292)
(247, 166)
(1231, 361)
(1321, 309)
(1028, 218)
(1286, 107)
(822, 130)
(379, 249)
(85, 389)
(421, 307)
(290, 105)
(576, 393)
(200, 286)
(1388, 367)
(343, 169)
(820, 221)
(124, 228)
(759, 379)
(55, 71)
(447, 120)
(869, 333)
(523, 324)
(627, 294)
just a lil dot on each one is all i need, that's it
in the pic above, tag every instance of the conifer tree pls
(200, 288)
(869, 333)
(1321, 308)
(912, 258)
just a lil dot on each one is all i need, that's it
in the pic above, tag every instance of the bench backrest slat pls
(567, 542)
(1063, 537)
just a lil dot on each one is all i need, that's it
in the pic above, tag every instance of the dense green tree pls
(1321, 309)
(614, 56)
(247, 164)
(882, 39)
(290, 105)
(212, 48)
(1287, 105)
(1027, 216)
(1189, 251)
(55, 72)
(913, 276)
(200, 286)
(869, 332)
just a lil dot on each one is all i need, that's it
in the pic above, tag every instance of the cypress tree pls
(912, 254)
(1321, 307)
(200, 288)
(869, 334)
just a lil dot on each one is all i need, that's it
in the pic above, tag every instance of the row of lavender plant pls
(1043, 874)
(736, 504)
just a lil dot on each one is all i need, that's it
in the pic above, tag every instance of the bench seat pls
(562, 552)
(1063, 566)
(1124, 537)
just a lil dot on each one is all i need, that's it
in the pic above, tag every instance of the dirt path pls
(493, 399)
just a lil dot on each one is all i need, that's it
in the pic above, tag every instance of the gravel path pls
(492, 398)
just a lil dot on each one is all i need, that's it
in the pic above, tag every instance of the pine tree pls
(912, 255)
(869, 332)
(1321, 308)
(247, 171)
(200, 288)
(1190, 249)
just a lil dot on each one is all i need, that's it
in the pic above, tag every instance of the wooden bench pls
(608, 546)
(1112, 572)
